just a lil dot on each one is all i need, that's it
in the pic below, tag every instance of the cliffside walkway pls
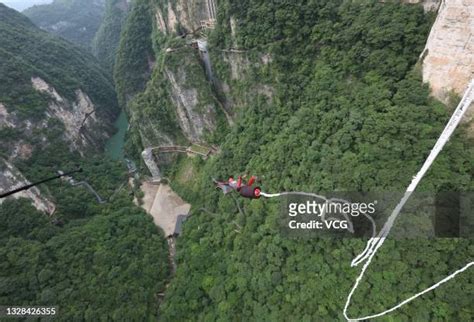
(212, 13)
(88, 187)
(193, 149)
(148, 155)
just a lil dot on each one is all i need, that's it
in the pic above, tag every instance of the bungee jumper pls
(245, 190)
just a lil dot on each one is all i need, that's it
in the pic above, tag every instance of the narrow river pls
(160, 201)
(114, 146)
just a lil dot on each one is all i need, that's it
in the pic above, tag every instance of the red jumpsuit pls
(247, 190)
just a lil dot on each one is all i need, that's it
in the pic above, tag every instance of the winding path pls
(88, 187)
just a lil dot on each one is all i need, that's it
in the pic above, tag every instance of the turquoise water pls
(114, 146)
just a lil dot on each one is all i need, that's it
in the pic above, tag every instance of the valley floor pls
(165, 206)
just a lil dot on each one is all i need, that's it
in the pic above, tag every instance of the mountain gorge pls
(48, 86)
(107, 38)
(311, 96)
(65, 240)
(94, 25)
(76, 21)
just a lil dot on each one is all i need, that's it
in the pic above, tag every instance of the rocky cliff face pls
(11, 178)
(198, 84)
(448, 58)
(178, 105)
(78, 117)
(5, 117)
(53, 97)
(181, 15)
(193, 120)
(82, 128)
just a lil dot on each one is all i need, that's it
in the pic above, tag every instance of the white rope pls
(359, 278)
(350, 227)
(273, 195)
(443, 139)
(375, 243)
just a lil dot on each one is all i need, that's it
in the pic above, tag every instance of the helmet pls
(256, 192)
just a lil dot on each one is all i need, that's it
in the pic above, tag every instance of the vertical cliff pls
(107, 38)
(12, 178)
(182, 16)
(448, 58)
(428, 5)
(164, 85)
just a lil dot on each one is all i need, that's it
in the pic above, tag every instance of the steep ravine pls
(179, 102)
(53, 96)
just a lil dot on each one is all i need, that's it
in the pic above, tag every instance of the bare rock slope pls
(448, 63)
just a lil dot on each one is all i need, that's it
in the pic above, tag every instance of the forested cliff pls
(78, 243)
(74, 20)
(312, 96)
(94, 25)
(48, 87)
(107, 38)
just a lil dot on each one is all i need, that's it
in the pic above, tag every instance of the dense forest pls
(107, 38)
(315, 96)
(28, 52)
(74, 20)
(88, 256)
(349, 113)
(112, 255)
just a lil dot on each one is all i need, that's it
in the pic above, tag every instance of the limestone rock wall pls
(187, 14)
(11, 178)
(193, 116)
(83, 129)
(78, 117)
(448, 58)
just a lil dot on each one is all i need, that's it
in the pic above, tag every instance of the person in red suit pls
(245, 190)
